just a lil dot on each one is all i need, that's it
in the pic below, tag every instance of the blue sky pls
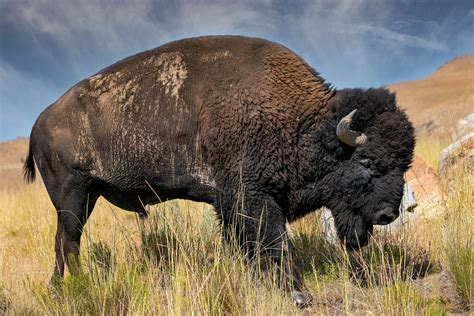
(46, 46)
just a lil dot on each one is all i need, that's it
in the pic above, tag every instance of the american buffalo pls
(243, 124)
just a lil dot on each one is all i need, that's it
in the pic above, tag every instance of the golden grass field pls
(176, 263)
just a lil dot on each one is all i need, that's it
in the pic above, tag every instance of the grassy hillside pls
(436, 103)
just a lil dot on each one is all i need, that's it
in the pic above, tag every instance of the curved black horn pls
(348, 136)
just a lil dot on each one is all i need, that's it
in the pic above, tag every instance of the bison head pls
(370, 149)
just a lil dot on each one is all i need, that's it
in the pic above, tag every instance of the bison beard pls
(240, 123)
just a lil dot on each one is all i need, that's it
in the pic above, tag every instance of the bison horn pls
(347, 136)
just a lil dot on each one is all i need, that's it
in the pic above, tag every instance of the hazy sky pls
(46, 46)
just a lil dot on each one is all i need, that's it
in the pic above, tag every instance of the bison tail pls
(29, 172)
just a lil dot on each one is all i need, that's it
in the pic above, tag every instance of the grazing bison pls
(240, 123)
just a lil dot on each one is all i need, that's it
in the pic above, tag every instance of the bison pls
(243, 124)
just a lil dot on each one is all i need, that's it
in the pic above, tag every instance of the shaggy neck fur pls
(332, 173)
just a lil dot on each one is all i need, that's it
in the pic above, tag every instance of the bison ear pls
(346, 135)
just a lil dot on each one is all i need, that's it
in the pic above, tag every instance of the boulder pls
(424, 183)
(422, 179)
(457, 160)
(464, 127)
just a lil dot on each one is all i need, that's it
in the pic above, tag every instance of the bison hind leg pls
(74, 200)
(70, 225)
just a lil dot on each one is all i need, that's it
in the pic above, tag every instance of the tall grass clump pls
(386, 271)
(429, 148)
(454, 243)
(124, 292)
(458, 232)
(379, 278)
(102, 262)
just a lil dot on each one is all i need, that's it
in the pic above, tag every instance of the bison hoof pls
(301, 300)
(55, 286)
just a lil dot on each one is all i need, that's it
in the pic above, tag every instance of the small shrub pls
(159, 245)
(313, 250)
(402, 299)
(384, 262)
(101, 261)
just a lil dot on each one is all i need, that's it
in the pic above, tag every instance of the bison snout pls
(384, 216)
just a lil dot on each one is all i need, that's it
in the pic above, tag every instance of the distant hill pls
(437, 102)
(12, 155)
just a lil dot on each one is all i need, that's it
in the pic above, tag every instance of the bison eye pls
(366, 163)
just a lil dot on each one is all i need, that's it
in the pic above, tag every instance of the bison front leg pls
(259, 227)
(276, 252)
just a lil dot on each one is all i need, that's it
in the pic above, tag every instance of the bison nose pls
(384, 216)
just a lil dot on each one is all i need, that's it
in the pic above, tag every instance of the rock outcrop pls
(457, 160)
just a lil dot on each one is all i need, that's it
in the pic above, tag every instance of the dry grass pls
(429, 148)
(176, 263)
